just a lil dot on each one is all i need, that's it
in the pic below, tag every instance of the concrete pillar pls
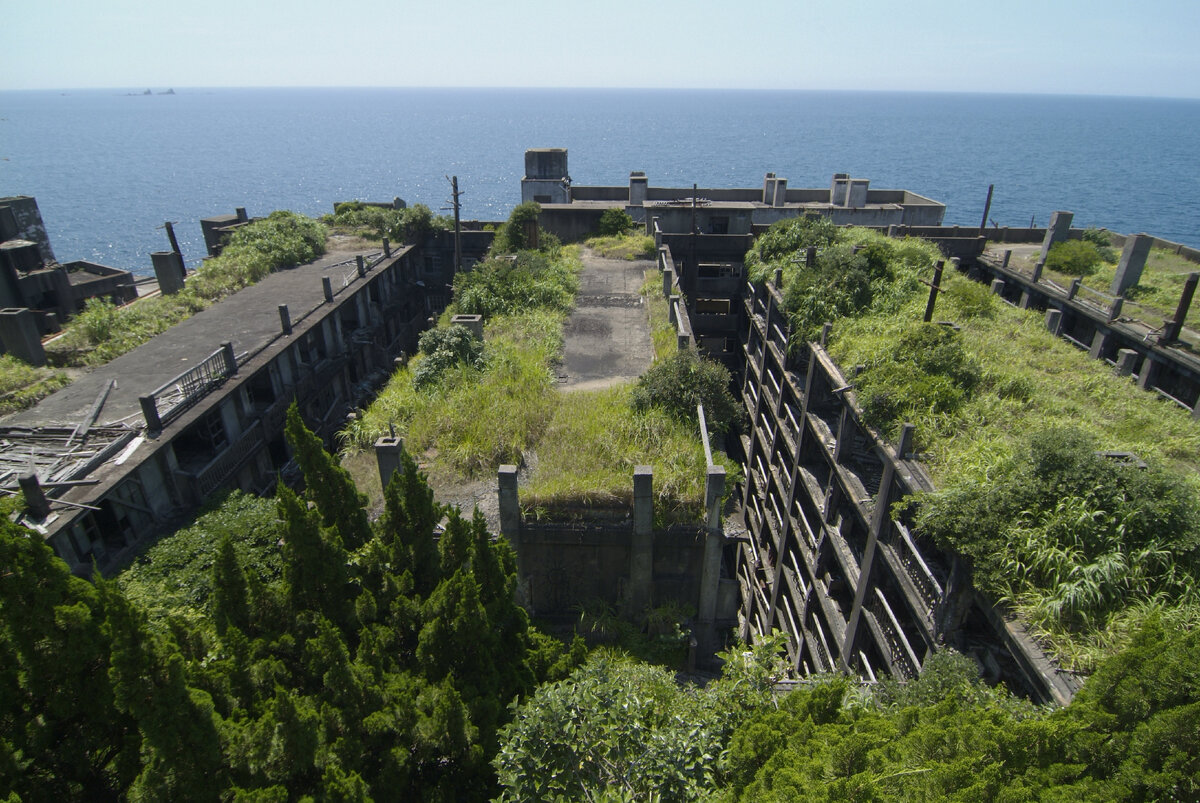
(810, 257)
(672, 309)
(327, 287)
(474, 323)
(641, 554)
(510, 509)
(387, 457)
(1056, 232)
(1149, 373)
(168, 269)
(1099, 344)
(1007, 257)
(241, 215)
(998, 286)
(1126, 358)
(1131, 264)
(1114, 311)
(285, 319)
(768, 196)
(1053, 320)
(150, 413)
(20, 337)
(1174, 327)
(35, 497)
(714, 543)
(668, 278)
(230, 358)
(1073, 290)
(387, 247)
(638, 182)
(780, 194)
(361, 265)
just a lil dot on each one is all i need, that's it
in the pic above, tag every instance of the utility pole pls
(454, 193)
(987, 207)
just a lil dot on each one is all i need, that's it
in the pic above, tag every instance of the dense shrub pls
(614, 222)
(787, 240)
(445, 347)
(511, 236)
(683, 380)
(410, 224)
(1074, 258)
(504, 286)
(1102, 239)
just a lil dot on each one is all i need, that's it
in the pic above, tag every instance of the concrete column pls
(150, 413)
(1056, 232)
(714, 544)
(1073, 290)
(168, 269)
(387, 457)
(998, 286)
(1007, 257)
(387, 247)
(361, 265)
(1114, 311)
(510, 509)
(1126, 358)
(20, 337)
(810, 257)
(1174, 327)
(35, 497)
(780, 194)
(241, 214)
(672, 308)
(668, 278)
(1053, 320)
(230, 358)
(1148, 374)
(285, 319)
(474, 323)
(1099, 343)
(327, 286)
(641, 554)
(1131, 264)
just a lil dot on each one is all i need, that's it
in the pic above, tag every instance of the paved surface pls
(607, 338)
(249, 319)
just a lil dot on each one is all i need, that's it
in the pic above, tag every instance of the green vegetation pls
(662, 331)
(1074, 258)
(351, 662)
(1084, 548)
(678, 383)
(103, 332)
(512, 236)
(409, 225)
(614, 223)
(467, 412)
(22, 385)
(629, 246)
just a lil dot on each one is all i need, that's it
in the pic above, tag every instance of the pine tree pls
(409, 517)
(230, 598)
(314, 563)
(328, 485)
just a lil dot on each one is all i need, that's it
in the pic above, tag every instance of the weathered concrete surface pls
(607, 338)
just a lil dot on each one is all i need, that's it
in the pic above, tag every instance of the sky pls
(1103, 47)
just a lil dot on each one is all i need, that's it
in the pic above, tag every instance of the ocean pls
(108, 168)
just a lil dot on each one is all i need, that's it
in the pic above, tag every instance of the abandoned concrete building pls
(34, 285)
(815, 552)
(573, 210)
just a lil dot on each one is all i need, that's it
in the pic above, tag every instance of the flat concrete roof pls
(249, 319)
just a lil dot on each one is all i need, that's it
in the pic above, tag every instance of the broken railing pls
(175, 396)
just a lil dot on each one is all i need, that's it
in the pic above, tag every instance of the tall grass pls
(22, 385)
(629, 246)
(662, 331)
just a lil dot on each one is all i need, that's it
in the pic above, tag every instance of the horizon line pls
(132, 90)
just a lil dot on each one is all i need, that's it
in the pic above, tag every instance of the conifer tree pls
(410, 514)
(314, 563)
(328, 485)
(230, 598)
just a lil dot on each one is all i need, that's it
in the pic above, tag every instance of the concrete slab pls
(607, 338)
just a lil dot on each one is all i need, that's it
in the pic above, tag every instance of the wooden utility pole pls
(457, 226)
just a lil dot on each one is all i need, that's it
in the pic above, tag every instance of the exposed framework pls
(825, 561)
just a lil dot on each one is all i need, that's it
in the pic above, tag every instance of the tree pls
(685, 379)
(230, 602)
(614, 222)
(329, 485)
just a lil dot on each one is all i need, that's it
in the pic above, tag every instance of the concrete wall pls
(23, 221)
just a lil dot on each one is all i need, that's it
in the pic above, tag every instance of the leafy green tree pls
(685, 379)
(1074, 258)
(614, 222)
(511, 237)
(230, 597)
(314, 561)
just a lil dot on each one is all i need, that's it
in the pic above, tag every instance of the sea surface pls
(108, 168)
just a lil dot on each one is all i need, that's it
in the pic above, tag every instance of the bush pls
(443, 348)
(511, 238)
(615, 222)
(501, 286)
(685, 379)
(784, 240)
(1102, 239)
(1074, 258)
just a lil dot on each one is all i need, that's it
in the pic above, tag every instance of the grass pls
(662, 331)
(1031, 381)
(22, 385)
(623, 246)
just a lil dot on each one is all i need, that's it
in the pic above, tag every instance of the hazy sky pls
(1058, 46)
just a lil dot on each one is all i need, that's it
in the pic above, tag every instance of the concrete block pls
(168, 269)
(1131, 264)
(998, 286)
(1053, 320)
(1007, 257)
(1056, 232)
(641, 554)
(472, 322)
(779, 196)
(387, 457)
(1126, 359)
(510, 509)
(20, 336)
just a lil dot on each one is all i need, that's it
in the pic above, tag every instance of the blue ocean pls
(108, 168)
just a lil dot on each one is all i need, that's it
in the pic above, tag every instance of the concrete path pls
(607, 338)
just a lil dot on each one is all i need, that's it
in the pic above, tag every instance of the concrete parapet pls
(1131, 264)
(168, 269)
(641, 555)
(1058, 231)
(20, 336)
(387, 455)
(510, 508)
